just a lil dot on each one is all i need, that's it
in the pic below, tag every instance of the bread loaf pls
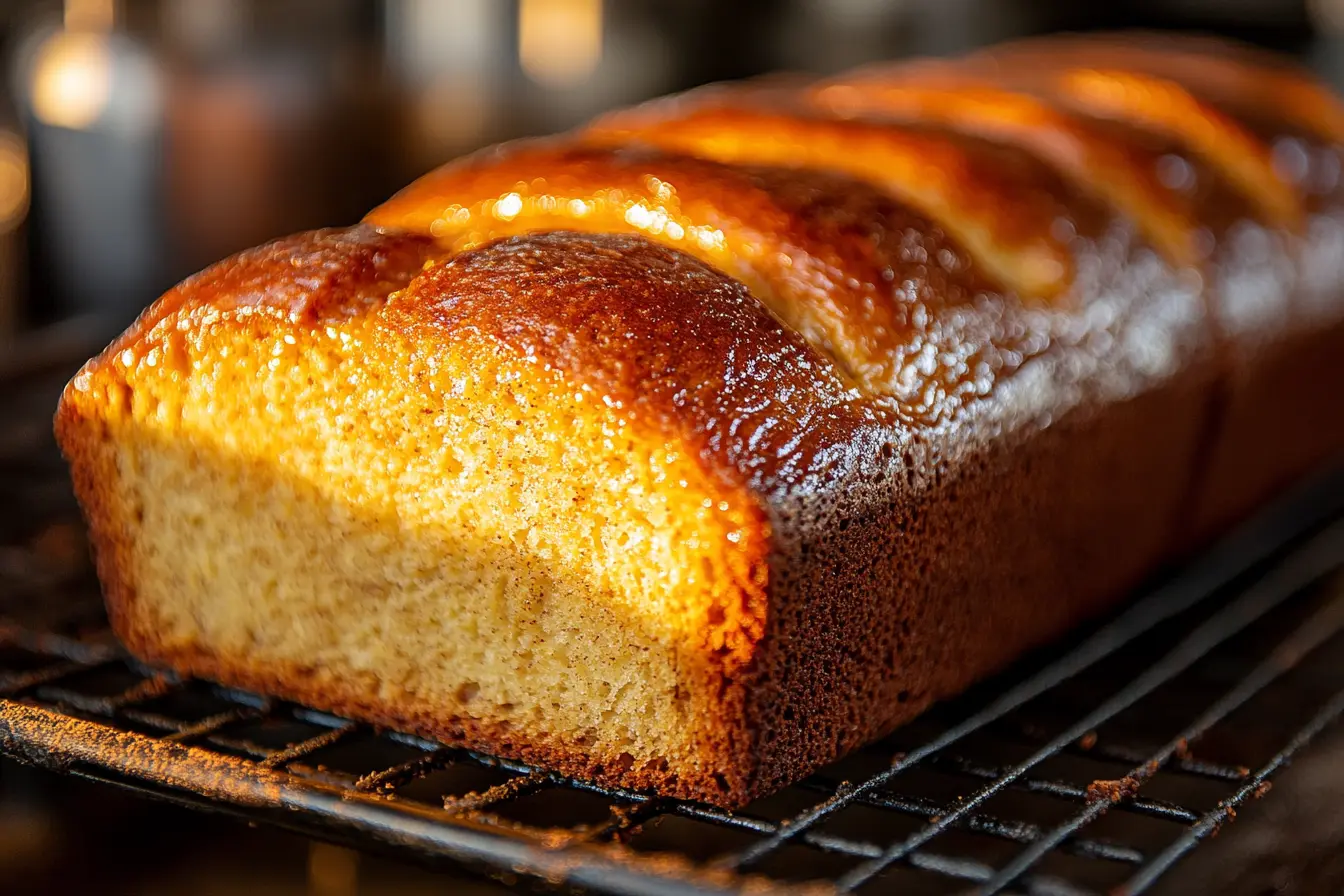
(694, 448)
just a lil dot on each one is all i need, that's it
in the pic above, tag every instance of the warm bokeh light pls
(13, 181)
(72, 79)
(559, 41)
(90, 15)
(451, 111)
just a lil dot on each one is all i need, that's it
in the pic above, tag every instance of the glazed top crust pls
(652, 333)
(310, 278)
(875, 286)
(646, 330)
(998, 202)
(873, 258)
(1263, 92)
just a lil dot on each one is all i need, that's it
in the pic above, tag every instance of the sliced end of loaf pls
(455, 543)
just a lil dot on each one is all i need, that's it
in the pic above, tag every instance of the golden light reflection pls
(72, 80)
(13, 181)
(1166, 107)
(1011, 239)
(559, 41)
(1112, 172)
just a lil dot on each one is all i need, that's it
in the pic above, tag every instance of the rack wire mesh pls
(1094, 767)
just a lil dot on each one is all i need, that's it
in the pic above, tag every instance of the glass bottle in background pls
(276, 120)
(90, 98)
(448, 63)
(1326, 51)
(166, 134)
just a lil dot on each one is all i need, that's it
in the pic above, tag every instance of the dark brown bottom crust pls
(343, 696)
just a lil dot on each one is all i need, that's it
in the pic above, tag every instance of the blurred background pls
(143, 139)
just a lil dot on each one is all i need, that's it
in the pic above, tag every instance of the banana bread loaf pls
(694, 448)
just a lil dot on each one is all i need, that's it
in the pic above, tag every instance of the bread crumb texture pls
(350, 514)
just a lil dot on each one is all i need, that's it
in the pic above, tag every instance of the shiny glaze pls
(1257, 89)
(1191, 208)
(1266, 128)
(315, 277)
(1021, 200)
(894, 301)
(1297, 122)
(1003, 205)
(1124, 175)
(659, 337)
(1166, 108)
(1178, 199)
(1006, 199)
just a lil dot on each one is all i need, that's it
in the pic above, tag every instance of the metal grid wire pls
(1094, 768)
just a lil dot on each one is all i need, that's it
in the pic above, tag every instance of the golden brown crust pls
(1249, 182)
(309, 278)
(863, 278)
(1123, 174)
(661, 337)
(1164, 110)
(1003, 205)
(1273, 286)
(1261, 90)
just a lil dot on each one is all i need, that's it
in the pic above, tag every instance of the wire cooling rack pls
(1092, 768)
